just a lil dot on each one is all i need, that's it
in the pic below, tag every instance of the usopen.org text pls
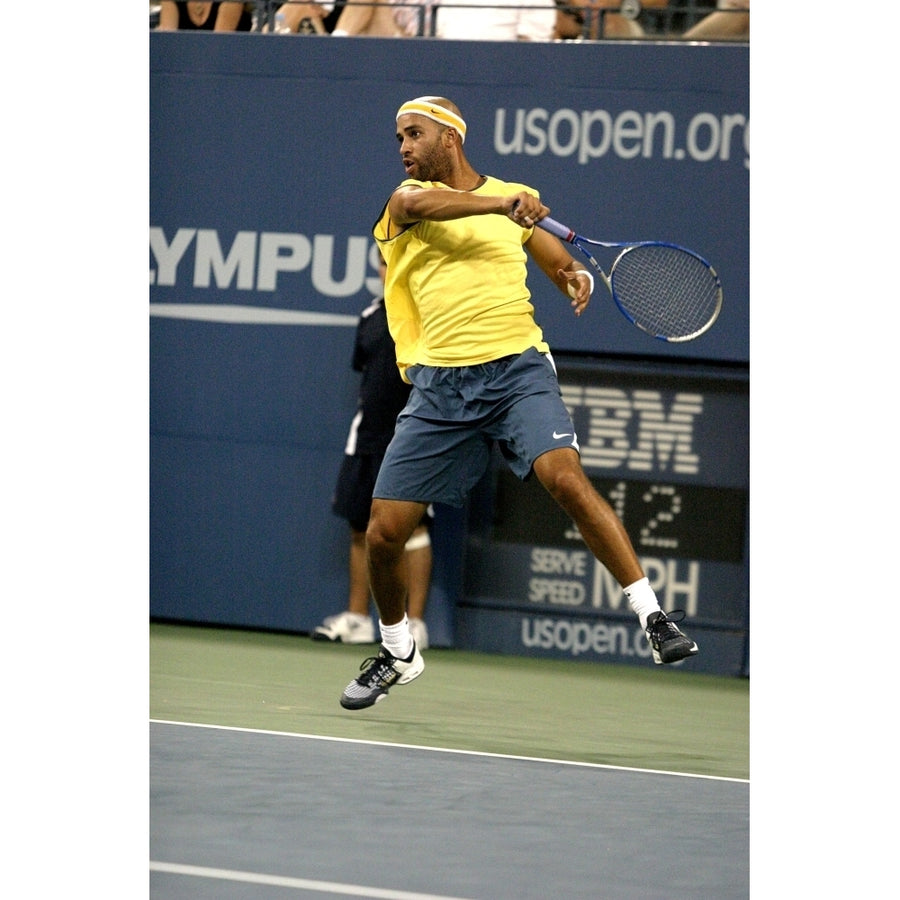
(590, 134)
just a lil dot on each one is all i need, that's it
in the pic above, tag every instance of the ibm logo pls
(637, 431)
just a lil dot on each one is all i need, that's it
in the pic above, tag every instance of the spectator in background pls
(569, 21)
(382, 394)
(595, 20)
(496, 20)
(378, 18)
(415, 17)
(191, 16)
(306, 18)
(730, 22)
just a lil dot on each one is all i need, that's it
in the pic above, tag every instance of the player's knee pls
(383, 541)
(564, 482)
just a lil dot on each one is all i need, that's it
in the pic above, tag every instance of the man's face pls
(421, 149)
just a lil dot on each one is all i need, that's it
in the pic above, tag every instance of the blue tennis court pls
(239, 813)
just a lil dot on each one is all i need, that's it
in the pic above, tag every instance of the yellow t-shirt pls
(455, 291)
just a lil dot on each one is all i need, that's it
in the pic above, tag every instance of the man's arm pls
(410, 204)
(558, 265)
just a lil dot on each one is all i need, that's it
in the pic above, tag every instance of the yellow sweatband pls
(422, 106)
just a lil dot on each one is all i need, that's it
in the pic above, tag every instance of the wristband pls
(571, 288)
(589, 277)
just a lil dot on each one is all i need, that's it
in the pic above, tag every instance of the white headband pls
(423, 106)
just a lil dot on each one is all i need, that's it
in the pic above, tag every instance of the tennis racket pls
(668, 291)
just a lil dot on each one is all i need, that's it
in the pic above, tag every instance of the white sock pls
(397, 639)
(642, 599)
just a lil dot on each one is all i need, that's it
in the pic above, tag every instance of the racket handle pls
(563, 232)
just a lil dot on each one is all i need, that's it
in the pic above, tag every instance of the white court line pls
(557, 762)
(300, 884)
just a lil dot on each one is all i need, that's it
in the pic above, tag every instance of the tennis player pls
(459, 310)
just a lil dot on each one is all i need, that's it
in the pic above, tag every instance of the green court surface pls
(649, 718)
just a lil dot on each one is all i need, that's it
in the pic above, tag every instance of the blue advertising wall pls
(270, 159)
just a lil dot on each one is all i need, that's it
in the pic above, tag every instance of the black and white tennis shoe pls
(668, 644)
(379, 674)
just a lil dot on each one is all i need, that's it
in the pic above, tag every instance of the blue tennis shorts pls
(444, 436)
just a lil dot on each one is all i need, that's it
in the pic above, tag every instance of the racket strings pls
(666, 291)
